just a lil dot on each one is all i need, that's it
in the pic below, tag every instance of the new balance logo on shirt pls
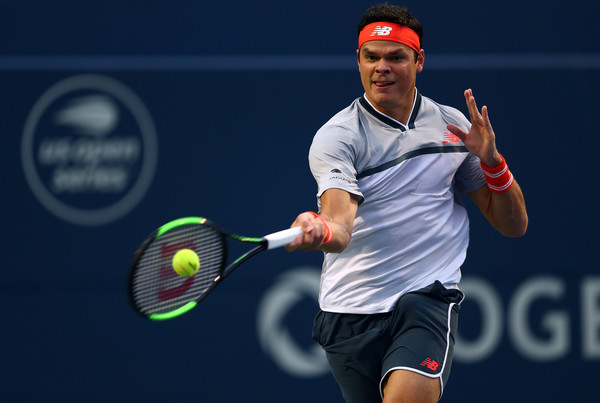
(381, 30)
(448, 137)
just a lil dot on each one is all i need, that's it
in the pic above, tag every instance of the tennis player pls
(389, 168)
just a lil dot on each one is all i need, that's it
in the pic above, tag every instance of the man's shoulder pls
(345, 120)
(448, 113)
(348, 112)
(430, 103)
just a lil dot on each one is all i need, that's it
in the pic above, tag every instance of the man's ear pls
(420, 60)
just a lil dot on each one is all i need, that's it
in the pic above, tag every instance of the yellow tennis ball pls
(186, 262)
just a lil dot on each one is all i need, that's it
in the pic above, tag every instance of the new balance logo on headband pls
(388, 31)
(381, 30)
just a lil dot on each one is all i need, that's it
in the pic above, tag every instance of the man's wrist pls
(499, 178)
(494, 161)
(328, 231)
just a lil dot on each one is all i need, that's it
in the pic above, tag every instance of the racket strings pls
(157, 288)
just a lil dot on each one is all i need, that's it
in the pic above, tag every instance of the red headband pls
(388, 31)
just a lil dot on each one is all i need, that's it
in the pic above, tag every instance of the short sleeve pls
(332, 159)
(469, 176)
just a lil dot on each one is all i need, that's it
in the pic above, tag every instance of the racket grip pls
(282, 238)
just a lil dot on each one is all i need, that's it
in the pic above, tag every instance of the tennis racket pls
(157, 292)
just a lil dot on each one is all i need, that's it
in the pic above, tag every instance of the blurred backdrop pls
(118, 116)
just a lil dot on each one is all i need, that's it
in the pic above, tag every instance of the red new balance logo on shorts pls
(429, 363)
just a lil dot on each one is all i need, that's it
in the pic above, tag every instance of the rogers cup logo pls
(89, 150)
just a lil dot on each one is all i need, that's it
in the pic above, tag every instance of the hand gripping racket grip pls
(281, 238)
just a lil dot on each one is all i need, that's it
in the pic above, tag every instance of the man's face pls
(388, 73)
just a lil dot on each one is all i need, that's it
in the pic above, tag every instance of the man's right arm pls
(338, 209)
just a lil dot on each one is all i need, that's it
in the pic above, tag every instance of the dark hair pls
(385, 12)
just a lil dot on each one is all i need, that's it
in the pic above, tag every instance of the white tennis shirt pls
(410, 229)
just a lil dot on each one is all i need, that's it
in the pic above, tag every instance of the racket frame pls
(271, 241)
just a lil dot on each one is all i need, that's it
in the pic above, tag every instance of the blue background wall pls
(234, 93)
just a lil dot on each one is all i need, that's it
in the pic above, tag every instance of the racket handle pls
(282, 238)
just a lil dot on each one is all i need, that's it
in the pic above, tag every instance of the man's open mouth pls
(382, 84)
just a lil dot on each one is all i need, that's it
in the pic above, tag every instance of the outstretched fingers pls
(476, 117)
(486, 118)
(457, 131)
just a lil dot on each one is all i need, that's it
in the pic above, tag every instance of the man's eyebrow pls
(367, 51)
(395, 52)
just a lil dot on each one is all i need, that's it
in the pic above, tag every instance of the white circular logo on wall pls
(277, 341)
(89, 150)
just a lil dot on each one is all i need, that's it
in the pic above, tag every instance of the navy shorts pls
(418, 335)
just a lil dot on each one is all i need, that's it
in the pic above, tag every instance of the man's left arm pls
(505, 211)
(501, 201)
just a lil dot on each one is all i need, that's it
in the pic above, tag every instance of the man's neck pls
(401, 113)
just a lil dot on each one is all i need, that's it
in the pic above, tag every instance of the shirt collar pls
(391, 121)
